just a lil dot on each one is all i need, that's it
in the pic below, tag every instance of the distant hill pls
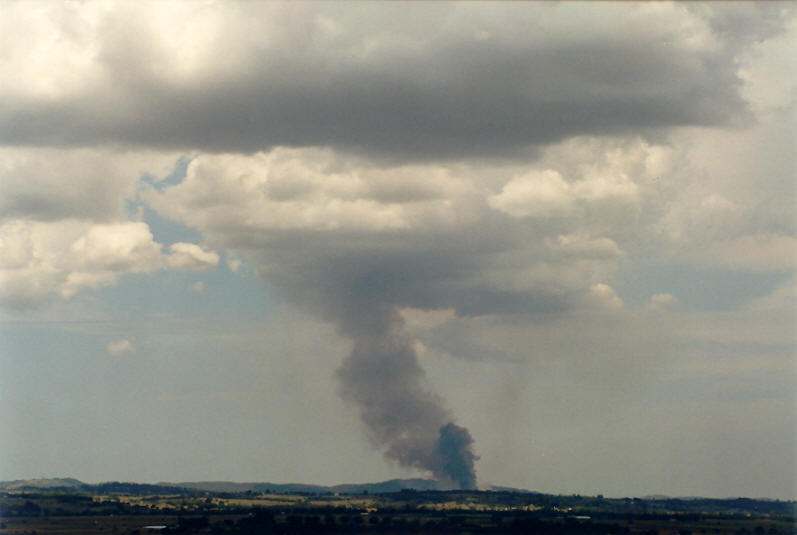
(498, 488)
(74, 485)
(393, 485)
(423, 489)
(51, 483)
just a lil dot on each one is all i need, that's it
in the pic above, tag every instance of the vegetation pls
(133, 509)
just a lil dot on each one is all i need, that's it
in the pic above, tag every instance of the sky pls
(293, 242)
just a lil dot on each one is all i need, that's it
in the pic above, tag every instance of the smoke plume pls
(383, 377)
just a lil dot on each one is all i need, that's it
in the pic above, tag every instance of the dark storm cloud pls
(403, 90)
(423, 271)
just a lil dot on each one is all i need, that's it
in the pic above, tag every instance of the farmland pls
(138, 510)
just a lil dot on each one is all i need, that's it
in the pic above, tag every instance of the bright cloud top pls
(41, 260)
(120, 347)
(410, 223)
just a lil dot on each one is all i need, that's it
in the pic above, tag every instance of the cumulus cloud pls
(605, 296)
(189, 256)
(586, 194)
(119, 247)
(119, 347)
(64, 222)
(536, 194)
(720, 215)
(463, 80)
(309, 189)
(234, 261)
(581, 245)
(445, 247)
(48, 184)
(545, 194)
(42, 260)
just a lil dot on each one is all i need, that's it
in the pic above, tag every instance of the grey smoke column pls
(384, 378)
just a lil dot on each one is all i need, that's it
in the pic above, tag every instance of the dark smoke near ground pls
(383, 377)
(454, 448)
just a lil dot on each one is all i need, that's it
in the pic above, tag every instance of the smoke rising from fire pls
(383, 377)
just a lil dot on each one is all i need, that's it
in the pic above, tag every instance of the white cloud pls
(378, 213)
(190, 256)
(119, 347)
(63, 226)
(40, 260)
(234, 261)
(582, 245)
(48, 184)
(122, 247)
(546, 194)
(535, 194)
(604, 295)
(197, 287)
(307, 189)
(601, 187)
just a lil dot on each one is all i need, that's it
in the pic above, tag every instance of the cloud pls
(234, 261)
(587, 194)
(289, 188)
(64, 224)
(116, 247)
(48, 184)
(605, 296)
(662, 301)
(43, 260)
(545, 194)
(444, 248)
(719, 215)
(536, 194)
(464, 80)
(425, 319)
(580, 245)
(189, 256)
(120, 347)
(751, 252)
